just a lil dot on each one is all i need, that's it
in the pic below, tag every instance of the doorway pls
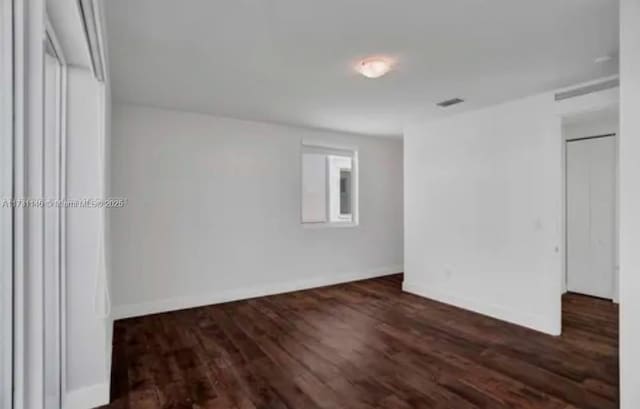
(591, 204)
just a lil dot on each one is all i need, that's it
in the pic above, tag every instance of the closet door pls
(591, 182)
(602, 199)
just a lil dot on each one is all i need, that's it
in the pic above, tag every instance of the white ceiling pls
(290, 61)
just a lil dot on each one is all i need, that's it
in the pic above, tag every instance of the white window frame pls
(333, 153)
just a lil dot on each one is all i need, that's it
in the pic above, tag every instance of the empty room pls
(302, 204)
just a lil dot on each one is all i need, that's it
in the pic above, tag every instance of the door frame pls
(58, 168)
(30, 30)
(6, 211)
(566, 141)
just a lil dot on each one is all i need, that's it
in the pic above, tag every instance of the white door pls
(591, 184)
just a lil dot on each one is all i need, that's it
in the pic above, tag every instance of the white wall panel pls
(483, 211)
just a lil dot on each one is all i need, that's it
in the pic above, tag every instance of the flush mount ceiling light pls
(603, 59)
(374, 67)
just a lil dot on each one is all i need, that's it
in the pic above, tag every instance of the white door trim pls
(28, 93)
(54, 165)
(31, 29)
(6, 212)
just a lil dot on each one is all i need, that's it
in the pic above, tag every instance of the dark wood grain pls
(363, 345)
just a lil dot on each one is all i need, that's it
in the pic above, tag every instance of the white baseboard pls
(87, 398)
(179, 303)
(522, 318)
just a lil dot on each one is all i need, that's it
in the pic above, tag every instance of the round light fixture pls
(603, 59)
(374, 67)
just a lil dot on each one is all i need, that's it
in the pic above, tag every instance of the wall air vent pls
(588, 89)
(449, 102)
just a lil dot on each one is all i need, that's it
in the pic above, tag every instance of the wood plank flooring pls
(362, 345)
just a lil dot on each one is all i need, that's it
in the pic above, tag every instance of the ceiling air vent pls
(449, 102)
(588, 89)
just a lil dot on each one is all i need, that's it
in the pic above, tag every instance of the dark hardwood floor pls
(363, 345)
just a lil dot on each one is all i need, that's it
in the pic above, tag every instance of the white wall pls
(214, 210)
(87, 335)
(483, 198)
(591, 102)
(598, 124)
(629, 203)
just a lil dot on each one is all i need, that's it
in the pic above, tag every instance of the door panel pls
(578, 229)
(603, 182)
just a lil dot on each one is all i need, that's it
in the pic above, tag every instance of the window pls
(329, 186)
